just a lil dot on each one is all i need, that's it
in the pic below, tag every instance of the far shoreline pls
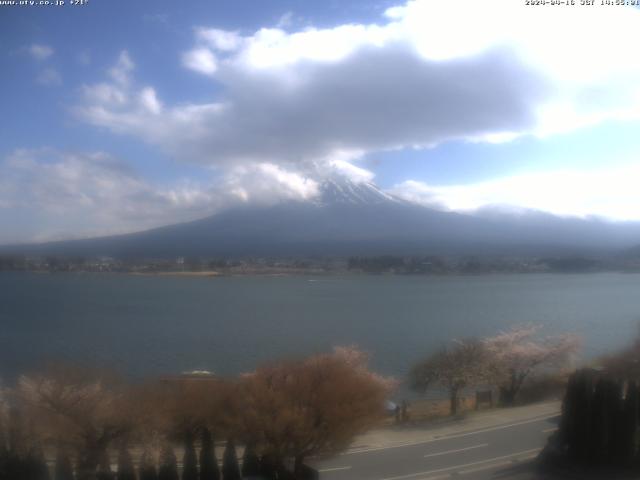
(315, 273)
(204, 273)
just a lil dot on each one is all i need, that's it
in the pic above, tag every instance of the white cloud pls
(46, 194)
(267, 183)
(341, 164)
(384, 98)
(91, 193)
(350, 171)
(610, 193)
(39, 51)
(429, 73)
(222, 40)
(105, 94)
(149, 100)
(274, 48)
(200, 60)
(50, 77)
(285, 20)
(121, 71)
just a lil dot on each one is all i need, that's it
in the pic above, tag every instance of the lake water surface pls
(153, 325)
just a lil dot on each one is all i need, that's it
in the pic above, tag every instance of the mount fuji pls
(355, 218)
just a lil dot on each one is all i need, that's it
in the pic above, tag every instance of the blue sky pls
(120, 116)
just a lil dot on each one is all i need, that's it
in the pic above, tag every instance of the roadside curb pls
(495, 419)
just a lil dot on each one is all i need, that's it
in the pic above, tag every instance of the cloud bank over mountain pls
(106, 196)
(427, 74)
(609, 193)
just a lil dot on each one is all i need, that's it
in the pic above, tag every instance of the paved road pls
(499, 451)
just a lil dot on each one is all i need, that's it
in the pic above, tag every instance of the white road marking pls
(500, 427)
(333, 469)
(456, 450)
(456, 467)
(447, 437)
(549, 430)
(494, 465)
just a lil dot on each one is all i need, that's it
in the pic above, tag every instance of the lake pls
(160, 324)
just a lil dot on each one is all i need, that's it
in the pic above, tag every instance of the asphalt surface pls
(504, 451)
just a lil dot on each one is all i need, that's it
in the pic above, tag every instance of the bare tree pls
(315, 406)
(455, 367)
(184, 406)
(78, 408)
(516, 354)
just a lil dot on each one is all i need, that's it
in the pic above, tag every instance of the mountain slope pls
(355, 219)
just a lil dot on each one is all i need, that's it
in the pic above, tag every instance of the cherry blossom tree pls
(79, 408)
(517, 353)
(455, 367)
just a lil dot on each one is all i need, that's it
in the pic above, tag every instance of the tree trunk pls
(508, 393)
(507, 396)
(453, 401)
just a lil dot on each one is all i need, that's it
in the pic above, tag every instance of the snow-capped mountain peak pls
(348, 192)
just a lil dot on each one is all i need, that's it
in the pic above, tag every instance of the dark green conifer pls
(148, 467)
(597, 439)
(586, 405)
(168, 468)
(4, 456)
(104, 467)
(36, 465)
(209, 469)
(125, 465)
(575, 424)
(250, 462)
(230, 467)
(268, 467)
(63, 469)
(617, 429)
(630, 422)
(16, 466)
(190, 459)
